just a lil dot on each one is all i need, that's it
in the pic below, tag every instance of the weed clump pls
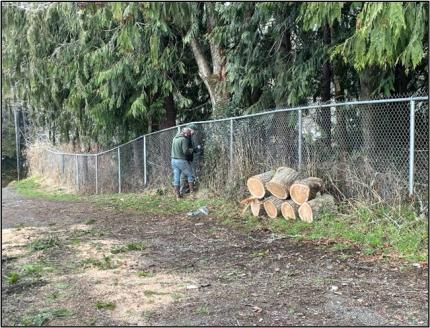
(100, 305)
(43, 244)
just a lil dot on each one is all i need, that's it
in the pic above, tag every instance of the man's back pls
(180, 147)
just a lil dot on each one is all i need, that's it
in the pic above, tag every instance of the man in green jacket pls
(181, 150)
(195, 143)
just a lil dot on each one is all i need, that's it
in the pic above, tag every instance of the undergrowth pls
(372, 229)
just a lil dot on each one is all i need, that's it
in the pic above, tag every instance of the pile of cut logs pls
(287, 192)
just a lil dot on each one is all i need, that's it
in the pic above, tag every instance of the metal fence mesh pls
(158, 149)
(132, 166)
(361, 149)
(107, 172)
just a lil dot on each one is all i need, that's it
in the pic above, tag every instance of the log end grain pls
(270, 209)
(256, 187)
(299, 193)
(288, 211)
(277, 190)
(305, 213)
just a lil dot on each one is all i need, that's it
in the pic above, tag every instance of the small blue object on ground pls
(200, 212)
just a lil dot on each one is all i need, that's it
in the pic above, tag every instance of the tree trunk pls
(306, 189)
(400, 116)
(272, 206)
(341, 118)
(312, 209)
(401, 80)
(169, 106)
(75, 141)
(281, 182)
(149, 124)
(368, 114)
(254, 96)
(213, 77)
(289, 210)
(256, 184)
(325, 91)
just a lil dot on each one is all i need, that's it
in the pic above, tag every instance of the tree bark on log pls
(256, 184)
(306, 189)
(257, 207)
(311, 210)
(289, 210)
(281, 182)
(272, 205)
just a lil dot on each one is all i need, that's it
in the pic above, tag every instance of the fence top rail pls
(267, 112)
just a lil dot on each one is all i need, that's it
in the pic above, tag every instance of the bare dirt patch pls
(190, 272)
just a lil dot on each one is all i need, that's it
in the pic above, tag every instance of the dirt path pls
(191, 272)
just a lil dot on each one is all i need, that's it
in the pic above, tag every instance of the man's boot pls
(192, 193)
(177, 192)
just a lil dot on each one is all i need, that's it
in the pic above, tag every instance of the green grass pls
(135, 246)
(43, 244)
(378, 229)
(54, 295)
(260, 253)
(44, 316)
(202, 310)
(31, 187)
(100, 305)
(150, 293)
(90, 221)
(176, 296)
(36, 269)
(381, 230)
(12, 277)
(144, 274)
(148, 314)
(153, 204)
(340, 247)
(62, 285)
(75, 241)
(104, 264)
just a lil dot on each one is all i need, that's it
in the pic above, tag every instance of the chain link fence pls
(369, 150)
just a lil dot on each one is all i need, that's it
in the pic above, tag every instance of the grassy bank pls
(377, 230)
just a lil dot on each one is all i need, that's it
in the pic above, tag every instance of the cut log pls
(303, 190)
(311, 210)
(289, 210)
(281, 182)
(257, 208)
(272, 205)
(257, 182)
(248, 200)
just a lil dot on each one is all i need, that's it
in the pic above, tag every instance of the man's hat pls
(193, 126)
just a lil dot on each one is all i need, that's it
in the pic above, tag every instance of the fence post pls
(77, 172)
(97, 174)
(300, 138)
(62, 169)
(17, 141)
(144, 160)
(411, 147)
(231, 146)
(119, 169)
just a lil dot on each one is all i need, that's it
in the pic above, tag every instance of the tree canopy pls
(106, 72)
